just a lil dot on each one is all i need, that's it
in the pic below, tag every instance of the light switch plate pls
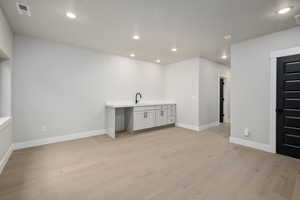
(246, 132)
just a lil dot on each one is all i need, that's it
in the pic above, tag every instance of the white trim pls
(273, 83)
(251, 144)
(273, 94)
(187, 126)
(227, 120)
(4, 121)
(5, 158)
(207, 126)
(197, 128)
(44, 141)
(285, 52)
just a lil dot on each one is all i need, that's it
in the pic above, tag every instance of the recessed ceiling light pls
(174, 49)
(71, 15)
(224, 57)
(132, 55)
(284, 10)
(227, 37)
(158, 61)
(136, 37)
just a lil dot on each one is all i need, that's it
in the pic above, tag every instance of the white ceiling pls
(195, 27)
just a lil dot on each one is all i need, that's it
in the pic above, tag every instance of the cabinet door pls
(171, 119)
(149, 117)
(172, 110)
(171, 114)
(138, 121)
(161, 117)
(143, 120)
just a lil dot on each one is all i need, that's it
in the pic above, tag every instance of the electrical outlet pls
(44, 128)
(246, 132)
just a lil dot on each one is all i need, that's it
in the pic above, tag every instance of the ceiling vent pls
(23, 9)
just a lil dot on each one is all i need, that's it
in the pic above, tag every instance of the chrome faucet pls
(136, 97)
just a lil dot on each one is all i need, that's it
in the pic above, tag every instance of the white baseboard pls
(227, 120)
(187, 126)
(44, 141)
(207, 126)
(5, 158)
(197, 128)
(248, 143)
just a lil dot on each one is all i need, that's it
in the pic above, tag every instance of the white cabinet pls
(145, 117)
(128, 117)
(171, 119)
(172, 110)
(171, 114)
(161, 117)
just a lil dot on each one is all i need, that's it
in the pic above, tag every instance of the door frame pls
(273, 90)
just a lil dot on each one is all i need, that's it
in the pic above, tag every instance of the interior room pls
(139, 99)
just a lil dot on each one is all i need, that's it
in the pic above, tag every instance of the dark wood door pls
(221, 100)
(288, 106)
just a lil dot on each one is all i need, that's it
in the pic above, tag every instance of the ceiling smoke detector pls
(297, 18)
(23, 9)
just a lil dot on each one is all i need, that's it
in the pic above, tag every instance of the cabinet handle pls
(161, 113)
(145, 114)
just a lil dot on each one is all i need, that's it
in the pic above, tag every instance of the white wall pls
(6, 40)
(6, 43)
(5, 87)
(209, 91)
(181, 85)
(250, 100)
(65, 88)
(5, 143)
(194, 85)
(6, 37)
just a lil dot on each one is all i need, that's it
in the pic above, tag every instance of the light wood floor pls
(167, 164)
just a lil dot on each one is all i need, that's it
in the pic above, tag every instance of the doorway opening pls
(221, 110)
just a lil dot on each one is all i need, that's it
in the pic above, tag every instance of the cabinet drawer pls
(162, 107)
(171, 106)
(172, 112)
(161, 117)
(145, 108)
(165, 107)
